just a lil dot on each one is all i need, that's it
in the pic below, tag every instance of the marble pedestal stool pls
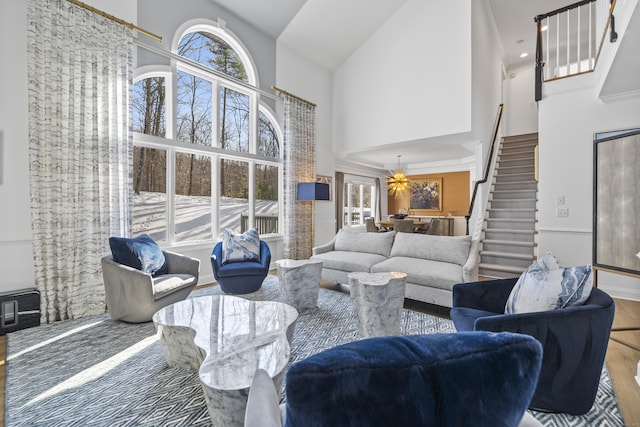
(378, 299)
(300, 282)
(226, 338)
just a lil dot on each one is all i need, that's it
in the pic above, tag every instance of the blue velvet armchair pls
(467, 379)
(574, 339)
(240, 277)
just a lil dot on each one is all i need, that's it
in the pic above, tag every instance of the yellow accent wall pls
(455, 195)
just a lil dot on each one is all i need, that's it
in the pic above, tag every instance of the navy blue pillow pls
(465, 379)
(141, 253)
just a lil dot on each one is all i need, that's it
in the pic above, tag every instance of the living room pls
(455, 103)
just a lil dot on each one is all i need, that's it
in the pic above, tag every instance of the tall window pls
(359, 199)
(212, 161)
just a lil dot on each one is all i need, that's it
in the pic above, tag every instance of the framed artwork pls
(325, 180)
(426, 194)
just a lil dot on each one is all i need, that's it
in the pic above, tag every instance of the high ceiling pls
(329, 31)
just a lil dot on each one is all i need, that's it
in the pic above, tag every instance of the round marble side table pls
(300, 282)
(378, 299)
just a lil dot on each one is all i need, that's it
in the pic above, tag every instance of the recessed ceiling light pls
(524, 55)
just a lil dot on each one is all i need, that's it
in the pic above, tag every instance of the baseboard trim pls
(564, 230)
(623, 293)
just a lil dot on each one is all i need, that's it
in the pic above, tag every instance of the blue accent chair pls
(574, 339)
(240, 277)
(467, 379)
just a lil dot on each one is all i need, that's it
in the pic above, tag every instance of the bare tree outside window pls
(149, 112)
(150, 198)
(234, 194)
(149, 164)
(268, 144)
(192, 179)
(193, 197)
(266, 195)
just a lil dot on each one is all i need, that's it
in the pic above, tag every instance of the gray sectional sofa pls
(433, 264)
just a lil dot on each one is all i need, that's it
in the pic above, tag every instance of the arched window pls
(213, 52)
(206, 149)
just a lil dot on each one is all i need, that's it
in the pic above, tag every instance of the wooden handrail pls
(562, 9)
(487, 166)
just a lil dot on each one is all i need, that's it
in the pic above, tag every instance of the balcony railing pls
(266, 224)
(569, 40)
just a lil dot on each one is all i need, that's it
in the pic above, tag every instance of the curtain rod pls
(293, 96)
(116, 19)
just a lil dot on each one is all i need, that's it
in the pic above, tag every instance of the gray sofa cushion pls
(375, 243)
(349, 261)
(436, 248)
(435, 274)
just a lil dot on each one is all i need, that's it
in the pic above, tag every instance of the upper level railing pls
(569, 40)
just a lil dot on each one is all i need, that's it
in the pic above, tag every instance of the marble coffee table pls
(226, 338)
(300, 282)
(377, 299)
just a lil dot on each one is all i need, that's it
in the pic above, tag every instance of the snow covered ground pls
(192, 215)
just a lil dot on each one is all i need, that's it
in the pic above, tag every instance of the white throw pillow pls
(240, 247)
(547, 285)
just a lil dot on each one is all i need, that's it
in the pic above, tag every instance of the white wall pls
(410, 80)
(487, 74)
(569, 115)
(486, 97)
(313, 83)
(16, 252)
(521, 109)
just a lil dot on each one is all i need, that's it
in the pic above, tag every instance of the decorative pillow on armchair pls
(547, 285)
(141, 253)
(240, 247)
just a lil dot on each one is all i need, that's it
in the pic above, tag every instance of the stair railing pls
(566, 41)
(489, 165)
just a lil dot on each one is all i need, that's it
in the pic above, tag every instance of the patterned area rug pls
(97, 372)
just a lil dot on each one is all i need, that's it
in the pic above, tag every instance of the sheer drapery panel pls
(299, 166)
(80, 72)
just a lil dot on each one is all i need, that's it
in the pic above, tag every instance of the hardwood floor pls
(621, 359)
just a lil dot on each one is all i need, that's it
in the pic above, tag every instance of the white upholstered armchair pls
(134, 296)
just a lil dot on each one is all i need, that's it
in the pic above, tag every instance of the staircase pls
(508, 244)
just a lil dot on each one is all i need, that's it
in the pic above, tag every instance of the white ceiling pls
(270, 16)
(328, 31)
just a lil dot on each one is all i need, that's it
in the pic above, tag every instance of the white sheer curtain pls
(299, 166)
(80, 71)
